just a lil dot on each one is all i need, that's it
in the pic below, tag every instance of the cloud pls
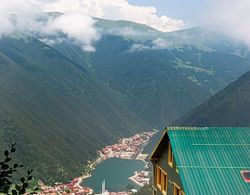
(231, 17)
(52, 40)
(75, 25)
(16, 15)
(160, 44)
(27, 16)
(156, 44)
(117, 10)
(139, 47)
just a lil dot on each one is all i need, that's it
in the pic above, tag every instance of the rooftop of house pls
(210, 160)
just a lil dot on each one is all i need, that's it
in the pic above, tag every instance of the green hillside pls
(159, 85)
(230, 107)
(121, 24)
(127, 29)
(57, 112)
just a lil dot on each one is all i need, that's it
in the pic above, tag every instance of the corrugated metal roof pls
(209, 160)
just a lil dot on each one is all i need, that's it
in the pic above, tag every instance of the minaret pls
(103, 187)
(104, 191)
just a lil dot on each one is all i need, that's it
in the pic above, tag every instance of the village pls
(73, 187)
(126, 148)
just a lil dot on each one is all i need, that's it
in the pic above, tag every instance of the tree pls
(7, 170)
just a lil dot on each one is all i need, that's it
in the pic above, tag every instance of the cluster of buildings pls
(126, 148)
(141, 178)
(73, 188)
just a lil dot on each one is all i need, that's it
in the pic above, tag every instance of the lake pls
(115, 172)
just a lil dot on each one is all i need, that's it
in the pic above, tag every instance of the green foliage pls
(7, 170)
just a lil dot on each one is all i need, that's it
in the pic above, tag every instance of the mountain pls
(106, 25)
(56, 111)
(229, 107)
(126, 29)
(155, 73)
(157, 82)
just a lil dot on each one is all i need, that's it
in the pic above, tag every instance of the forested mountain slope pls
(56, 111)
(230, 107)
(159, 84)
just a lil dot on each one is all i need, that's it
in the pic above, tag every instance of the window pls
(158, 176)
(170, 155)
(164, 182)
(161, 180)
(177, 190)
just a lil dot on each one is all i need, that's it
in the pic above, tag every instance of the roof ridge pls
(212, 167)
(184, 128)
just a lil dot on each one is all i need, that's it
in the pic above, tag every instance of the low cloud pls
(231, 17)
(28, 17)
(139, 47)
(77, 26)
(16, 15)
(160, 44)
(156, 44)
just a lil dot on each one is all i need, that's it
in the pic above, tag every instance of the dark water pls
(115, 172)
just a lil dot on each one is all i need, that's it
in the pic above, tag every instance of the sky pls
(190, 11)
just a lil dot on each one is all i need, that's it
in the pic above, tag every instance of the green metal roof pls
(209, 160)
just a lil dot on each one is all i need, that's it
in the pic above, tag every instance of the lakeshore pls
(126, 148)
(115, 172)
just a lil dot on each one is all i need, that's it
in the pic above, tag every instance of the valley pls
(61, 104)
